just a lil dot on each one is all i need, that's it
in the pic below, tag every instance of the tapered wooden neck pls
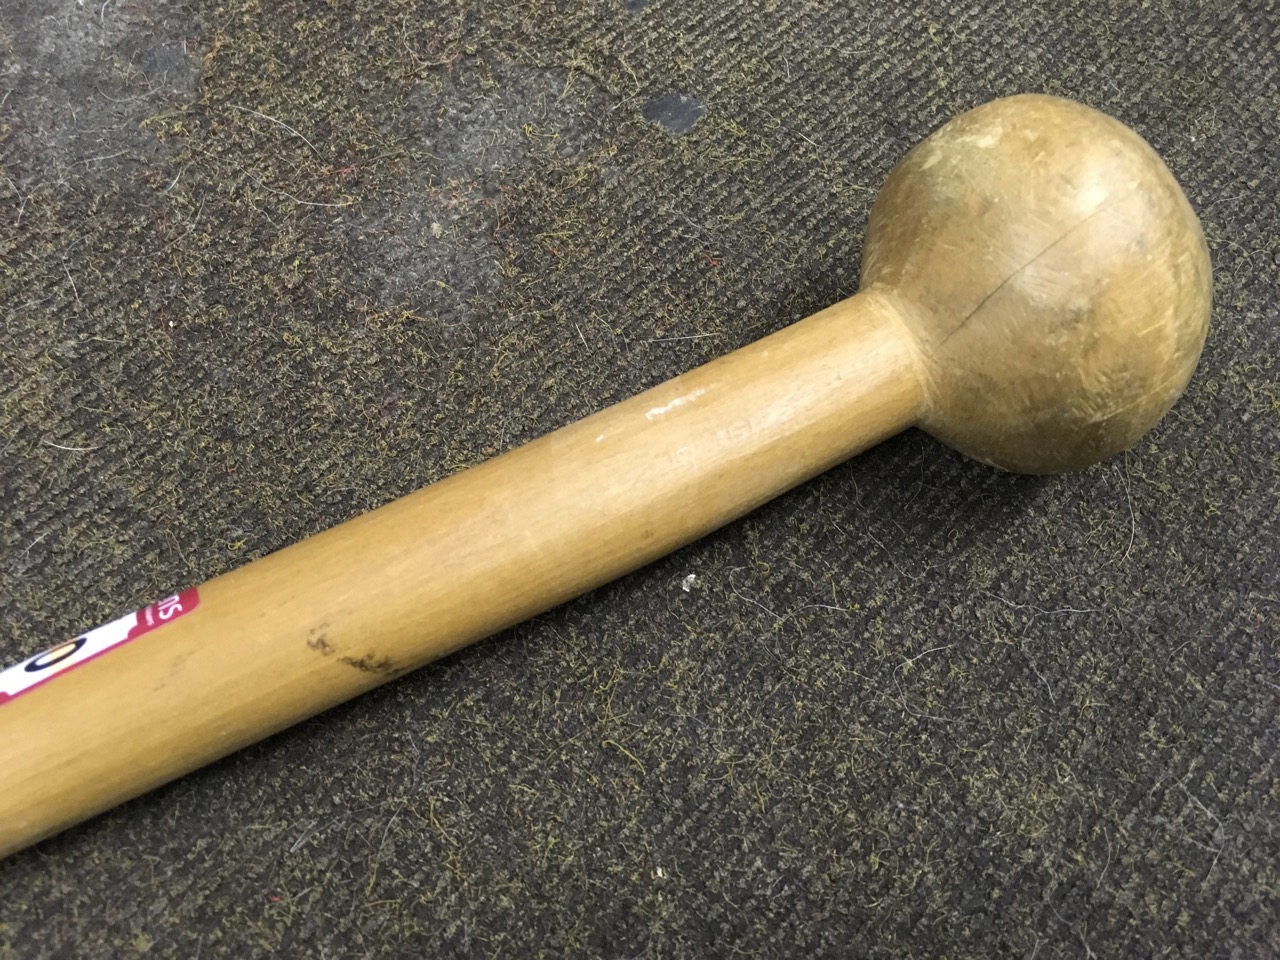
(655, 472)
(321, 621)
(585, 504)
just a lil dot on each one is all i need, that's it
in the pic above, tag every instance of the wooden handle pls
(321, 621)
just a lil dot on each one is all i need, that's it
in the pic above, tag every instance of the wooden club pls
(1035, 292)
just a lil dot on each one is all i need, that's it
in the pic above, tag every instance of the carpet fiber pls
(265, 266)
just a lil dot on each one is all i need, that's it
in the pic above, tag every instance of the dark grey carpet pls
(267, 265)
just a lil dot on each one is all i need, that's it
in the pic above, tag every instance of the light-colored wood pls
(319, 622)
(1058, 278)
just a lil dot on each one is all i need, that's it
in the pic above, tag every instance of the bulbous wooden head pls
(1055, 278)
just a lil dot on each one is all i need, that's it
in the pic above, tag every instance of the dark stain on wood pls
(371, 663)
(319, 641)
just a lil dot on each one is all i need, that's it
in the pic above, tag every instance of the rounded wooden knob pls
(1055, 278)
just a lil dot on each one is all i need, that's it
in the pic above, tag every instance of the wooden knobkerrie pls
(1036, 292)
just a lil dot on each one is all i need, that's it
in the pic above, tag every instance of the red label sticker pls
(43, 667)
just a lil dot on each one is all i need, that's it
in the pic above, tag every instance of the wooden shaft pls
(312, 625)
